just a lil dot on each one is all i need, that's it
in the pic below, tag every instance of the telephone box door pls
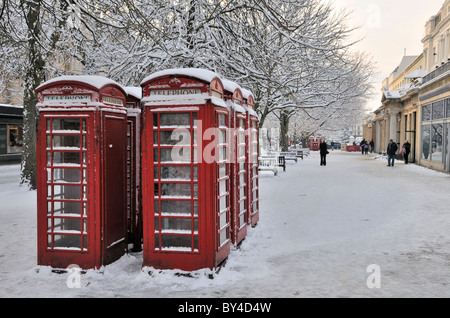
(115, 222)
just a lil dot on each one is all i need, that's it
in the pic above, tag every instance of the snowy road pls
(319, 230)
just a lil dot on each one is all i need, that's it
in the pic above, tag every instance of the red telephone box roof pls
(208, 78)
(234, 89)
(96, 82)
(198, 73)
(135, 92)
(248, 96)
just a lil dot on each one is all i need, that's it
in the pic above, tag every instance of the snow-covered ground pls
(320, 228)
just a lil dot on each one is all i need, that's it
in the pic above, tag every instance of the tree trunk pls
(284, 128)
(34, 76)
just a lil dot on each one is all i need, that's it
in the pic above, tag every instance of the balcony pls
(444, 68)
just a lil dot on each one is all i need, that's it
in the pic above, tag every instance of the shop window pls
(426, 149)
(438, 110)
(14, 139)
(447, 111)
(426, 112)
(436, 143)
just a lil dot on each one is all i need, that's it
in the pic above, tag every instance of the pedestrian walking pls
(391, 150)
(323, 153)
(362, 144)
(406, 149)
(372, 146)
(366, 147)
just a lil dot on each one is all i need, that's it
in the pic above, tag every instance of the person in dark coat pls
(407, 149)
(372, 146)
(391, 150)
(323, 153)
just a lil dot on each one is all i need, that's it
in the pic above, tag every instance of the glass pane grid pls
(66, 183)
(175, 182)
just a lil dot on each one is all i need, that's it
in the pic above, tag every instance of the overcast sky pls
(389, 27)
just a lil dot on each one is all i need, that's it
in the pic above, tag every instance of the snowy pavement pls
(320, 228)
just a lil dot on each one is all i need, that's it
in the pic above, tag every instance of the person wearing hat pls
(391, 150)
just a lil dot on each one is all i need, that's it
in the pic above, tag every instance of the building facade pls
(415, 103)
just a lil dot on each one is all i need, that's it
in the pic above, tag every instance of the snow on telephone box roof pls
(92, 80)
(185, 99)
(86, 91)
(231, 86)
(199, 73)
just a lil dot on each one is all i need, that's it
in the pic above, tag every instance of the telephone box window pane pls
(175, 119)
(156, 190)
(222, 187)
(223, 237)
(222, 136)
(176, 172)
(175, 207)
(175, 154)
(242, 219)
(194, 118)
(176, 189)
(195, 243)
(155, 172)
(66, 225)
(156, 207)
(67, 175)
(155, 155)
(156, 224)
(67, 241)
(155, 138)
(175, 242)
(67, 208)
(223, 220)
(71, 124)
(67, 157)
(176, 225)
(175, 137)
(195, 208)
(66, 141)
(195, 225)
(222, 121)
(222, 170)
(195, 173)
(222, 204)
(66, 192)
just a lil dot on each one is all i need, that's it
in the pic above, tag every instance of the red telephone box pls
(238, 164)
(81, 172)
(133, 184)
(252, 158)
(314, 143)
(186, 170)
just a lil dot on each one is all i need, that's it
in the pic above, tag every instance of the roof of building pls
(406, 61)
